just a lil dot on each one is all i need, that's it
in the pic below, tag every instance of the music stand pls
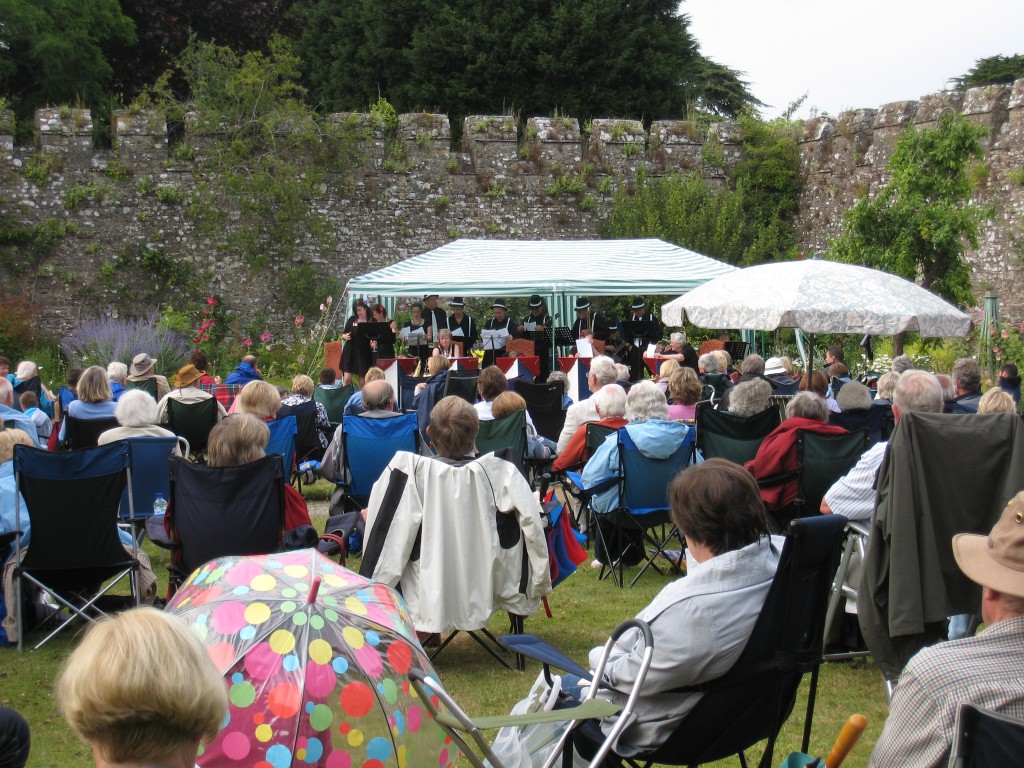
(737, 350)
(563, 337)
(373, 332)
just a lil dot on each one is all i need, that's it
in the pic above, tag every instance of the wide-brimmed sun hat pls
(997, 560)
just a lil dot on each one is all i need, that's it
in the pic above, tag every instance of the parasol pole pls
(313, 590)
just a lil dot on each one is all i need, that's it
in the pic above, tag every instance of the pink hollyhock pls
(246, 342)
(265, 337)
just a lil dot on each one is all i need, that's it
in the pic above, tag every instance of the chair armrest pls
(533, 647)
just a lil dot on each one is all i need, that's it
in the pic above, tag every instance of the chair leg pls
(809, 716)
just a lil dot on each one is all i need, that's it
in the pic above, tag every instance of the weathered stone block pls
(675, 144)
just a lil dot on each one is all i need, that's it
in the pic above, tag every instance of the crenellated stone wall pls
(123, 211)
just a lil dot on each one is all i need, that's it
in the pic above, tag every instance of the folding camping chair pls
(751, 701)
(85, 433)
(872, 419)
(194, 422)
(544, 402)
(724, 435)
(149, 477)
(573, 484)
(458, 725)
(283, 432)
(505, 434)
(146, 385)
(461, 384)
(334, 400)
(217, 511)
(368, 446)
(844, 585)
(75, 554)
(307, 436)
(642, 505)
(986, 739)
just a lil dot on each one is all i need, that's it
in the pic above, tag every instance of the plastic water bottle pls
(159, 505)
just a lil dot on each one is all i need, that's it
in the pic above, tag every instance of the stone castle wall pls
(121, 211)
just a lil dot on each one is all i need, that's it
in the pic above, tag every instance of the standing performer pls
(416, 325)
(356, 354)
(500, 322)
(589, 323)
(635, 345)
(383, 347)
(541, 322)
(462, 326)
(433, 317)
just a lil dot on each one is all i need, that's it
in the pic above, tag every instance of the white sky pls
(850, 55)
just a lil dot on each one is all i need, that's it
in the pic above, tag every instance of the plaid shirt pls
(986, 670)
(225, 393)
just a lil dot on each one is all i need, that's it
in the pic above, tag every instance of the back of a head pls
(302, 385)
(506, 404)
(603, 370)
(561, 378)
(328, 376)
(260, 398)
(27, 370)
(887, 384)
(918, 392)
(140, 688)
(717, 504)
(854, 396)
(814, 381)
(454, 425)
(373, 374)
(646, 401)
(724, 360)
(752, 364)
(684, 386)
(1010, 369)
(436, 364)
(996, 400)
(28, 400)
(807, 405)
(611, 401)
(668, 368)
(709, 363)
(239, 439)
(967, 374)
(10, 438)
(75, 375)
(750, 397)
(838, 371)
(491, 383)
(117, 371)
(902, 363)
(946, 385)
(377, 396)
(200, 360)
(836, 353)
(93, 386)
(136, 408)
(621, 372)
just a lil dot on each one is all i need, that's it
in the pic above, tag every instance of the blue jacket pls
(8, 495)
(243, 374)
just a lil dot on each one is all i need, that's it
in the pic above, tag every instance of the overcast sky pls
(848, 55)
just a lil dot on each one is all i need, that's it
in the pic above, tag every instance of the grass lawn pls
(584, 611)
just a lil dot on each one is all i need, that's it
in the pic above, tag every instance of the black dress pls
(356, 356)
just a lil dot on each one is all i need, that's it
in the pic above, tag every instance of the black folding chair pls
(194, 422)
(307, 438)
(872, 419)
(217, 511)
(544, 402)
(461, 384)
(85, 433)
(724, 435)
(75, 554)
(986, 739)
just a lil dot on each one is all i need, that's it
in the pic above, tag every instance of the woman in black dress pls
(383, 347)
(356, 355)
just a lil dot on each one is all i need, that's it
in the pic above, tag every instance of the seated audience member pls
(816, 381)
(302, 392)
(684, 391)
(610, 403)
(654, 436)
(15, 739)
(201, 362)
(902, 364)
(948, 390)
(507, 403)
(700, 622)
(259, 398)
(186, 391)
(602, 372)
(489, 385)
(885, 388)
(712, 374)
(996, 400)
(562, 379)
(428, 393)
(9, 492)
(11, 417)
(117, 375)
(458, 588)
(136, 413)
(838, 372)
(853, 495)
(144, 368)
(777, 454)
(27, 380)
(244, 372)
(65, 395)
(967, 385)
(834, 355)
(854, 396)
(748, 398)
(679, 351)
(378, 403)
(622, 374)
(986, 670)
(665, 373)
(242, 439)
(44, 427)
(725, 364)
(1009, 381)
(329, 379)
(95, 400)
(354, 406)
(142, 691)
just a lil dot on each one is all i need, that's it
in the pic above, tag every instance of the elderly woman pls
(302, 392)
(142, 691)
(610, 403)
(665, 373)
(777, 453)
(679, 351)
(259, 398)
(26, 379)
(95, 400)
(445, 345)
(136, 413)
(886, 386)
(684, 389)
(996, 400)
(749, 397)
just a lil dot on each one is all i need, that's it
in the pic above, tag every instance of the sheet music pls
(458, 332)
(652, 350)
(413, 338)
(584, 348)
(495, 339)
(530, 325)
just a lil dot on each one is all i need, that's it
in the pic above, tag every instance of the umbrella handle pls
(313, 589)
(848, 737)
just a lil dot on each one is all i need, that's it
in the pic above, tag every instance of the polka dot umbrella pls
(315, 657)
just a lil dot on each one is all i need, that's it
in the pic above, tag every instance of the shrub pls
(17, 326)
(103, 340)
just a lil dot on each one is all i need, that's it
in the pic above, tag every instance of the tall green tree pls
(992, 70)
(587, 58)
(56, 51)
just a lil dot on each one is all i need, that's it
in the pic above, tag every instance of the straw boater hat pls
(186, 376)
(996, 561)
(141, 363)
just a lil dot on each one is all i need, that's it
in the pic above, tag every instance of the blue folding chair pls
(75, 554)
(149, 477)
(282, 441)
(368, 445)
(643, 504)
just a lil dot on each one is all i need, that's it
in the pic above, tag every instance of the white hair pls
(710, 362)
(117, 372)
(136, 408)
(611, 401)
(623, 372)
(646, 401)
(27, 370)
(603, 370)
(677, 337)
(807, 405)
(749, 397)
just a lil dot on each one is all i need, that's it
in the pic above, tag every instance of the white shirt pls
(853, 496)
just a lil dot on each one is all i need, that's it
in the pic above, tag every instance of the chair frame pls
(357, 501)
(197, 438)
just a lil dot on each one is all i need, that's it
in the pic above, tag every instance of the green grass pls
(584, 611)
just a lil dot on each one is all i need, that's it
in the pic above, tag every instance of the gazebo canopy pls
(559, 270)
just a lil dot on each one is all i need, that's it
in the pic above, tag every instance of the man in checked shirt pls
(986, 670)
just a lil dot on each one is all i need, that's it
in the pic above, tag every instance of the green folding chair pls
(334, 400)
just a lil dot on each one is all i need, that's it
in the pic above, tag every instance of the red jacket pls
(778, 454)
(576, 449)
